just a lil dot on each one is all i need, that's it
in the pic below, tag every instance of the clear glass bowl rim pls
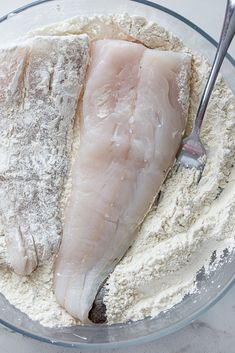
(175, 327)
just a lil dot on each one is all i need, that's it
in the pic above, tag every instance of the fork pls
(192, 153)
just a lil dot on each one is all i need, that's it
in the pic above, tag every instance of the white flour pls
(178, 237)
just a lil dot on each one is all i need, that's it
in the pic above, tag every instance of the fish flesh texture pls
(133, 115)
(134, 112)
(40, 83)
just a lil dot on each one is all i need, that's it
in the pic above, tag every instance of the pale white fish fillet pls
(40, 83)
(131, 127)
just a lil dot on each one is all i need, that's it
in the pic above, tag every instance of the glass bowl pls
(210, 288)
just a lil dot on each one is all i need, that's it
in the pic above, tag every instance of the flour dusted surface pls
(34, 296)
(38, 103)
(178, 237)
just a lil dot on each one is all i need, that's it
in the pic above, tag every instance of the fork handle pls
(226, 37)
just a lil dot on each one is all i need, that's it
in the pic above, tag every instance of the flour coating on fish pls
(40, 84)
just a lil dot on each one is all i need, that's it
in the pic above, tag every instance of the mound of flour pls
(178, 236)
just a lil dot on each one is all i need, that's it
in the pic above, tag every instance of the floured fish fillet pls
(40, 83)
(133, 116)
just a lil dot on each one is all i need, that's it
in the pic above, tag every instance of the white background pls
(215, 331)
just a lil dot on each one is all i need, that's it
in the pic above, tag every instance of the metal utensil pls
(192, 153)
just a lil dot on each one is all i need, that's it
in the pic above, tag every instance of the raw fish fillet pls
(134, 113)
(40, 83)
